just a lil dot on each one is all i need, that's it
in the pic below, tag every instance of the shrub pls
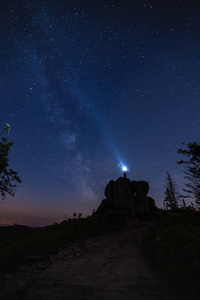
(175, 247)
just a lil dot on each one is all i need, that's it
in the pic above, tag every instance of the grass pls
(174, 246)
(47, 241)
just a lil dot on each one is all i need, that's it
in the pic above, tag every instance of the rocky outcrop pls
(122, 194)
(109, 191)
(151, 205)
(127, 196)
(119, 196)
(141, 189)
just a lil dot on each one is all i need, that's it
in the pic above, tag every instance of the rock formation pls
(141, 189)
(151, 205)
(120, 193)
(127, 196)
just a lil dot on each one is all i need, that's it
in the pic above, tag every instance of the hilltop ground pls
(108, 266)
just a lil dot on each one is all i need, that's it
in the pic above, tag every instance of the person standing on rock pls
(124, 169)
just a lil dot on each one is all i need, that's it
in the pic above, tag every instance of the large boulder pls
(123, 195)
(119, 195)
(152, 205)
(109, 191)
(141, 189)
(127, 197)
(104, 207)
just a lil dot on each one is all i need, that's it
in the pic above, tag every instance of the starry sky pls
(86, 85)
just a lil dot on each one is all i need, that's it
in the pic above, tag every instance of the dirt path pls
(105, 267)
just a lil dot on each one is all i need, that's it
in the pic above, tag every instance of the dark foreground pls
(96, 258)
(109, 266)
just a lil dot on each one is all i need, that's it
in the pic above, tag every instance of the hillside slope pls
(109, 266)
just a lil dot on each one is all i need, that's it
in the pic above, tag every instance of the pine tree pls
(192, 171)
(7, 176)
(171, 194)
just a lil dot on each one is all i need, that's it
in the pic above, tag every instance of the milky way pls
(88, 85)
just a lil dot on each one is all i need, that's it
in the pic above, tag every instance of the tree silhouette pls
(192, 170)
(171, 194)
(7, 176)
(79, 215)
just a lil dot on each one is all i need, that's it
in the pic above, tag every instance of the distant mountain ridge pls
(7, 231)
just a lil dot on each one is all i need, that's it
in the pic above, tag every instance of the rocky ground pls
(110, 266)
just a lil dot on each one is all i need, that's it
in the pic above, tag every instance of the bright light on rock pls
(124, 169)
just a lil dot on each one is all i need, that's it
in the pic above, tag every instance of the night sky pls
(86, 85)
